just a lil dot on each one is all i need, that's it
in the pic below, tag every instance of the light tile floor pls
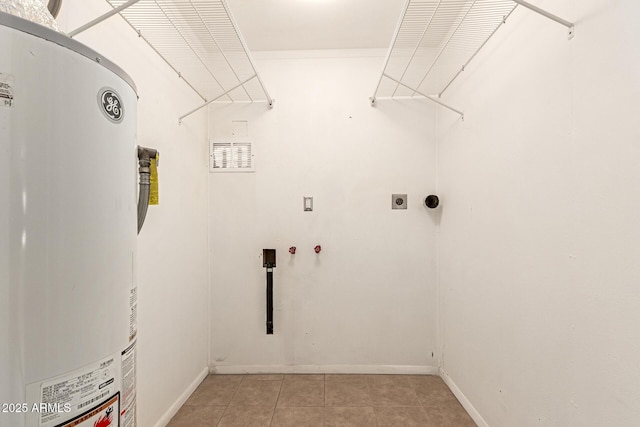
(322, 400)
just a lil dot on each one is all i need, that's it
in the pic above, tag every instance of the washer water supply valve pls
(292, 250)
(317, 249)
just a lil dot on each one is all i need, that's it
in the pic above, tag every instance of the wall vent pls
(231, 155)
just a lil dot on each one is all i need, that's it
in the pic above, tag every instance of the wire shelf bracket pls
(435, 41)
(429, 97)
(200, 40)
(216, 98)
(568, 24)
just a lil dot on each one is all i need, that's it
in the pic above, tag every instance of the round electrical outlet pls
(398, 201)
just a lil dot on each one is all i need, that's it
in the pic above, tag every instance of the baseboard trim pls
(324, 369)
(473, 413)
(166, 417)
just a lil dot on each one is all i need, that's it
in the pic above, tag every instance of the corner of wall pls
(466, 404)
(173, 409)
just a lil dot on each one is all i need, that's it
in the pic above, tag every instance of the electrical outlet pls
(398, 201)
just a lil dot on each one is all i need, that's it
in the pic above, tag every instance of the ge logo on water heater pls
(110, 104)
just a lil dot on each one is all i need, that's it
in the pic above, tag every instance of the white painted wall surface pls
(540, 237)
(172, 246)
(368, 300)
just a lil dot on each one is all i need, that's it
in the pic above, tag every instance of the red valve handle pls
(292, 250)
(317, 249)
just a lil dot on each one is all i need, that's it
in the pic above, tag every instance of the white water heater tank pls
(67, 232)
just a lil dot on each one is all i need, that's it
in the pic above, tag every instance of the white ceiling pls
(316, 24)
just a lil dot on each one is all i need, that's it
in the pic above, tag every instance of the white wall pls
(540, 237)
(368, 300)
(538, 244)
(172, 246)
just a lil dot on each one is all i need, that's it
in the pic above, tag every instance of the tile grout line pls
(324, 395)
(230, 400)
(414, 392)
(422, 408)
(273, 412)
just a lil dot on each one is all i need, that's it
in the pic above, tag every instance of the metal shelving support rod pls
(393, 42)
(248, 53)
(101, 18)
(504, 21)
(430, 98)
(217, 97)
(546, 14)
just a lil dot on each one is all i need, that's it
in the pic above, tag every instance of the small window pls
(231, 155)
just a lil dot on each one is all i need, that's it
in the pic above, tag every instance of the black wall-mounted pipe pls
(269, 262)
(269, 301)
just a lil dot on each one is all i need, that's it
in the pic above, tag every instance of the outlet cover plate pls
(308, 203)
(398, 201)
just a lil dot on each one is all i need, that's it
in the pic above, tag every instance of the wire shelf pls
(200, 40)
(436, 39)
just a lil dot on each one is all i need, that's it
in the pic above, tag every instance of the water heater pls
(67, 232)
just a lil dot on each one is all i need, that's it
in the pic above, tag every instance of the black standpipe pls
(269, 262)
(269, 301)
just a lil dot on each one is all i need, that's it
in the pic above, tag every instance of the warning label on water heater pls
(82, 390)
(7, 82)
(128, 412)
(104, 414)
